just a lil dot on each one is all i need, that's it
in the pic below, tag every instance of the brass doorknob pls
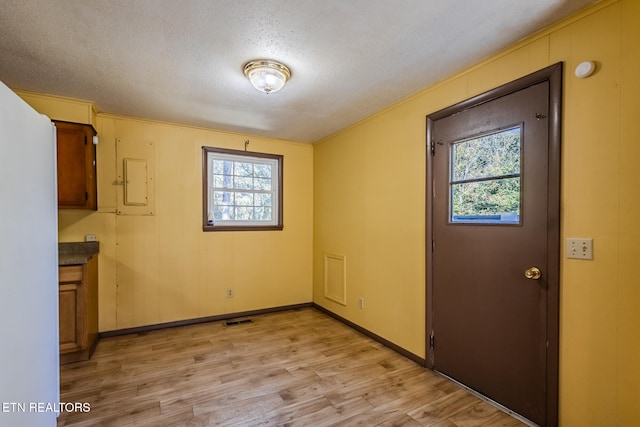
(532, 273)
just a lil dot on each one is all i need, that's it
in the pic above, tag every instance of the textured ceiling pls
(181, 60)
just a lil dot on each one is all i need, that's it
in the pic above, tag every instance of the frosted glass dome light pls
(266, 75)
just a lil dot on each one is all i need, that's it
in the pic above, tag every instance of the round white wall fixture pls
(585, 69)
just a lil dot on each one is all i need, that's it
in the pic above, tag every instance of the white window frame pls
(209, 223)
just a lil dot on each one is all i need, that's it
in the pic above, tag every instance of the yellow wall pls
(61, 108)
(627, 318)
(166, 267)
(163, 267)
(369, 198)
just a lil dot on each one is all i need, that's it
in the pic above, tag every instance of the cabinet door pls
(76, 166)
(71, 321)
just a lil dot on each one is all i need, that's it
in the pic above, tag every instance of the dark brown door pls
(490, 253)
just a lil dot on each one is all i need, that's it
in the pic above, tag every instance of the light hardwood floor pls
(292, 368)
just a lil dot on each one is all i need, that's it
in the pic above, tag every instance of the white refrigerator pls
(29, 349)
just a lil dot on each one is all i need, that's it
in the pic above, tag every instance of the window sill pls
(242, 227)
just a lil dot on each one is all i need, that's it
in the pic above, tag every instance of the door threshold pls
(491, 402)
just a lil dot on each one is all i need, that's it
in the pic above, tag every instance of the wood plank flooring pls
(292, 368)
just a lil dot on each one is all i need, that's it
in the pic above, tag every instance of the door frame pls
(552, 74)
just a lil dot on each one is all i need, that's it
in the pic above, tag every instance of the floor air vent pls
(237, 322)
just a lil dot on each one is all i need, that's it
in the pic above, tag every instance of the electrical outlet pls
(361, 303)
(90, 238)
(580, 247)
(229, 293)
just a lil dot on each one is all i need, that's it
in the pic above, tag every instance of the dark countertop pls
(77, 252)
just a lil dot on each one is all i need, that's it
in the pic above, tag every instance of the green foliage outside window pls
(485, 178)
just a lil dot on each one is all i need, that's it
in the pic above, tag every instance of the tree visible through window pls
(241, 190)
(485, 178)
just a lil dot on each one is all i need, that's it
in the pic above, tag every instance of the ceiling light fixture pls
(266, 75)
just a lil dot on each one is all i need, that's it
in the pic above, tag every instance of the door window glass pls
(485, 178)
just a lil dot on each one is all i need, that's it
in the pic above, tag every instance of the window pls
(485, 178)
(241, 190)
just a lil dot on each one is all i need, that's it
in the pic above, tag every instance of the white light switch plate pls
(580, 247)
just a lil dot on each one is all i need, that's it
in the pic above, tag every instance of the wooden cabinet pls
(77, 187)
(78, 310)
